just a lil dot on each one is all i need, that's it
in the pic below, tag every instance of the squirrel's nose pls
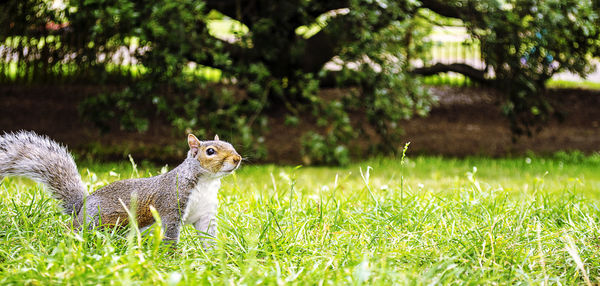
(237, 159)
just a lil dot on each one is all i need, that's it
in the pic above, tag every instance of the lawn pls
(528, 220)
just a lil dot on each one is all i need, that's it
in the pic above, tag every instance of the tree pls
(279, 63)
(525, 43)
(277, 67)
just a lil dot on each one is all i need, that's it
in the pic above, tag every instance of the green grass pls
(429, 220)
(555, 83)
(448, 79)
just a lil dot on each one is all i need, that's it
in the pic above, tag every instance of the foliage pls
(427, 221)
(269, 61)
(324, 150)
(278, 55)
(49, 40)
(524, 43)
(527, 45)
(389, 93)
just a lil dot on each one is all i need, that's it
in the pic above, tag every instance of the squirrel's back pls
(39, 158)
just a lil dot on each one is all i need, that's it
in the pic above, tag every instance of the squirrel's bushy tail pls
(42, 159)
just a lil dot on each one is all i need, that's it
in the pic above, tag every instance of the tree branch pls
(464, 69)
(442, 8)
(317, 10)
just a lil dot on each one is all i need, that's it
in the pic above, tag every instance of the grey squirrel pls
(185, 195)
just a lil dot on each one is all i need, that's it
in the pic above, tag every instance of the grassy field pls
(428, 220)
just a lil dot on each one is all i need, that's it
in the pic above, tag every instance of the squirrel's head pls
(216, 156)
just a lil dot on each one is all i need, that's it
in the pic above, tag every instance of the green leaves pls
(277, 57)
(527, 42)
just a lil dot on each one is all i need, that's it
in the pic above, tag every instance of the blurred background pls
(310, 82)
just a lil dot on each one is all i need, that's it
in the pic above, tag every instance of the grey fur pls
(41, 159)
(168, 193)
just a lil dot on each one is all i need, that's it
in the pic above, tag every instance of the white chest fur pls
(203, 202)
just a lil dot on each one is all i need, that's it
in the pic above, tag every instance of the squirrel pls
(185, 195)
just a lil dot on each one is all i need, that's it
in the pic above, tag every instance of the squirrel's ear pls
(216, 137)
(194, 143)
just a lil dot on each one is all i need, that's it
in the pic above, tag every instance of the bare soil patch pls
(466, 121)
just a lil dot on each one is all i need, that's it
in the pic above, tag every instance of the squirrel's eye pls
(210, 151)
